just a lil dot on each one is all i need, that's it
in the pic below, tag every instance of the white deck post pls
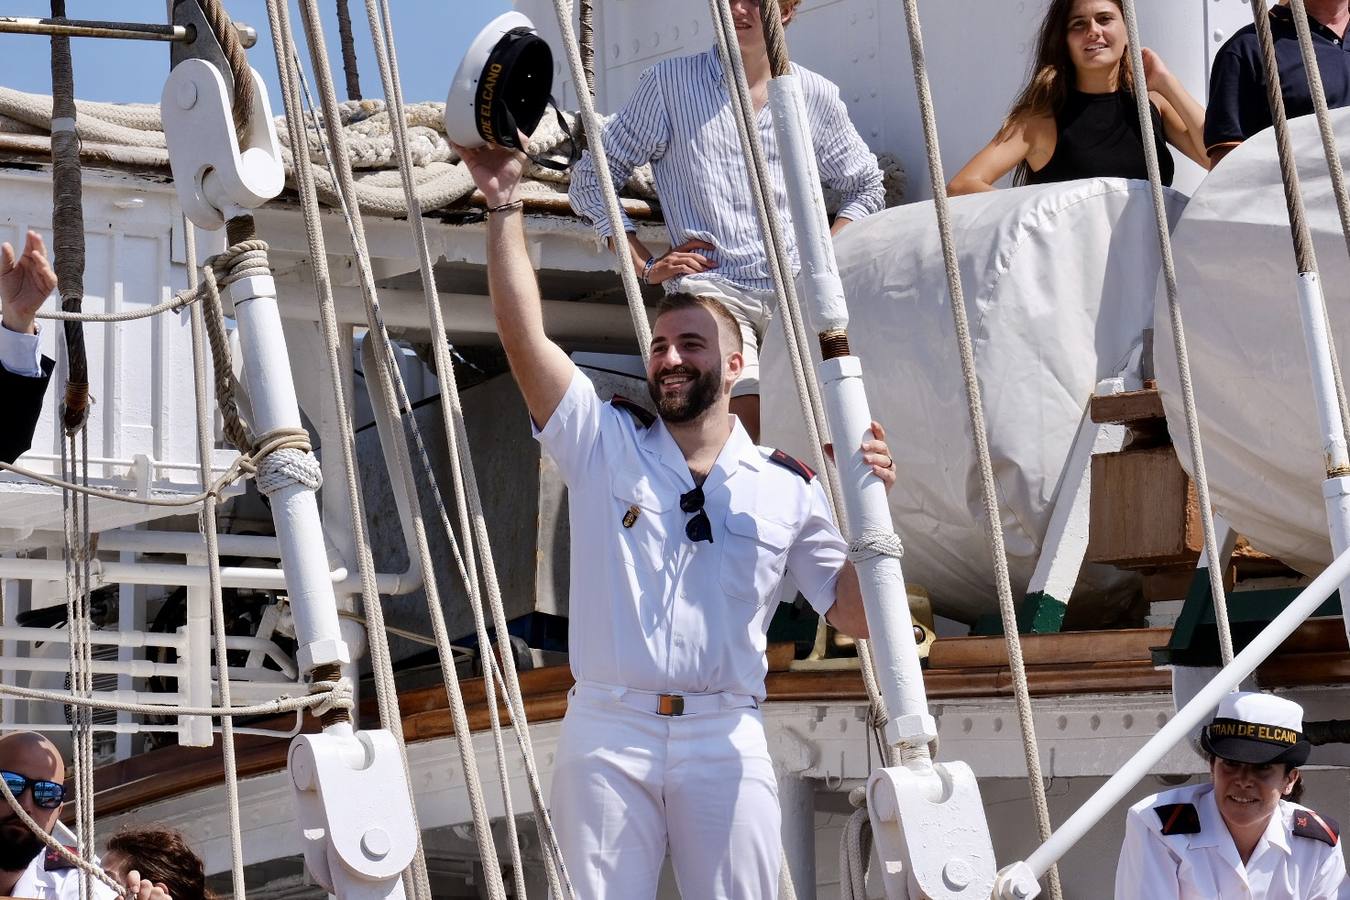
(907, 803)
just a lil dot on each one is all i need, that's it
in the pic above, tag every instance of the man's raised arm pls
(540, 366)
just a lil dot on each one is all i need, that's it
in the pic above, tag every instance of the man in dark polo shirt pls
(1238, 107)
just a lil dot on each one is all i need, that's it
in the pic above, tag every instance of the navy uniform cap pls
(1251, 727)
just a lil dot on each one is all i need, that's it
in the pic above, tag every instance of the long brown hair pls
(161, 855)
(1052, 75)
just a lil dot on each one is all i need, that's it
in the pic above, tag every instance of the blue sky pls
(431, 36)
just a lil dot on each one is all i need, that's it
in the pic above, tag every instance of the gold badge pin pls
(630, 518)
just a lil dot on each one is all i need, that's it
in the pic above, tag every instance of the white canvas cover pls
(1059, 284)
(1237, 275)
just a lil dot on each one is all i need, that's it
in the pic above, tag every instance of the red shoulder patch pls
(1178, 818)
(1309, 824)
(792, 464)
(643, 416)
(55, 862)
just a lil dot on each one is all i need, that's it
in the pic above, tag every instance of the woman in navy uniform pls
(1242, 836)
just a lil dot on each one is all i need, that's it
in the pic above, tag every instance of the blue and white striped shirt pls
(680, 119)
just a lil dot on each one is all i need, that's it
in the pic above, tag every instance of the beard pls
(697, 398)
(18, 846)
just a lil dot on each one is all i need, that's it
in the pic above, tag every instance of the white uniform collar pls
(738, 451)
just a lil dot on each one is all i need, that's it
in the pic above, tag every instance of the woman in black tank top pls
(1077, 117)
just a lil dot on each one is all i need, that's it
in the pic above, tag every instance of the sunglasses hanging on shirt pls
(699, 528)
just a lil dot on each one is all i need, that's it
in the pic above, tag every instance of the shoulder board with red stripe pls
(55, 862)
(1309, 824)
(792, 464)
(1179, 818)
(640, 414)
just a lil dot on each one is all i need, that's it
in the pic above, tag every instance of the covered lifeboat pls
(1237, 278)
(1059, 287)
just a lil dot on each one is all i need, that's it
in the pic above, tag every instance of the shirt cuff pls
(20, 354)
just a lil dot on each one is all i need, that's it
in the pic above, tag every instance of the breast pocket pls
(638, 508)
(754, 556)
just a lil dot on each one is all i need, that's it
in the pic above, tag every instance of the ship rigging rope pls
(324, 696)
(206, 526)
(387, 379)
(780, 270)
(1304, 250)
(416, 880)
(586, 18)
(1218, 596)
(473, 522)
(90, 870)
(593, 126)
(988, 487)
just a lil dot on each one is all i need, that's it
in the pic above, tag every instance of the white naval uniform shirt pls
(1206, 865)
(649, 609)
(60, 884)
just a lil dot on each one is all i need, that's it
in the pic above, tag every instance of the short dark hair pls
(162, 855)
(675, 302)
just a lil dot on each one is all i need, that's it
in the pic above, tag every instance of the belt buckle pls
(669, 705)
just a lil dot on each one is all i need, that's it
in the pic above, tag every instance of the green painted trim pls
(1195, 637)
(1041, 613)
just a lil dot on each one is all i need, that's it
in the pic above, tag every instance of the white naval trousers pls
(628, 782)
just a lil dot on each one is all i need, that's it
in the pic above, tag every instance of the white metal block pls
(930, 833)
(215, 180)
(355, 811)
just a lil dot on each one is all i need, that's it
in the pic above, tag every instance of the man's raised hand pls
(25, 283)
(495, 170)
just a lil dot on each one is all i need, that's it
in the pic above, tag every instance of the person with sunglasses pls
(684, 536)
(35, 773)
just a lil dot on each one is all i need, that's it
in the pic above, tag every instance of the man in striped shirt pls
(680, 119)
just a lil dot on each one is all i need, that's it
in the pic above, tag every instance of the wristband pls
(647, 269)
(506, 207)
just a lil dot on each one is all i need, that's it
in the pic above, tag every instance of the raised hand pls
(495, 170)
(1156, 73)
(25, 282)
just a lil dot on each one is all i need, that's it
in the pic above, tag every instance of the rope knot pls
(242, 260)
(283, 458)
(874, 542)
(337, 696)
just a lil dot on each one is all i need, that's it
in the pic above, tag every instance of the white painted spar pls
(1018, 881)
(819, 277)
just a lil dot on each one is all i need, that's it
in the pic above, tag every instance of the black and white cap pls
(1251, 727)
(502, 85)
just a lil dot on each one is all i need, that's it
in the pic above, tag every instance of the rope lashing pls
(177, 302)
(975, 406)
(1218, 596)
(285, 458)
(416, 880)
(875, 542)
(586, 17)
(68, 224)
